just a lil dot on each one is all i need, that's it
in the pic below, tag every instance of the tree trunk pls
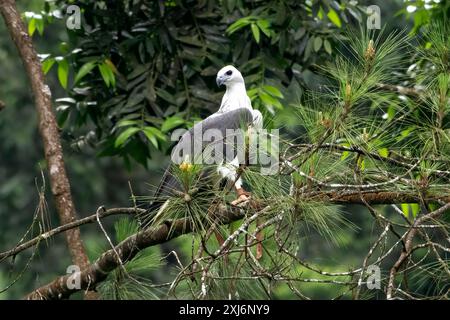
(48, 129)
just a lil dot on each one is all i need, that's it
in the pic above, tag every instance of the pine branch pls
(400, 89)
(44, 236)
(127, 249)
(97, 272)
(372, 197)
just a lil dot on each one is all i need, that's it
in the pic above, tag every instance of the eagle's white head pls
(229, 75)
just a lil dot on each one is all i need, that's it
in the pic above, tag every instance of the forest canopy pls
(356, 93)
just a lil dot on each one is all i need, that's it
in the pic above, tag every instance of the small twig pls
(97, 216)
(63, 228)
(400, 89)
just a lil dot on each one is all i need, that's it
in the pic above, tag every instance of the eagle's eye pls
(229, 73)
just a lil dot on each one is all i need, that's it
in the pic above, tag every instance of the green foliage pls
(128, 281)
(353, 111)
(140, 61)
(424, 12)
(280, 65)
(63, 72)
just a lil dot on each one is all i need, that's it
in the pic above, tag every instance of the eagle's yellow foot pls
(242, 196)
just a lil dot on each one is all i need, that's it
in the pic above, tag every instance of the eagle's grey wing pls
(220, 131)
(220, 122)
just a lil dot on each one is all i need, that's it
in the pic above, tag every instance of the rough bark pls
(48, 129)
(331, 197)
(373, 197)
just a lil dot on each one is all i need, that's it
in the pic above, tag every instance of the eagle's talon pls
(242, 198)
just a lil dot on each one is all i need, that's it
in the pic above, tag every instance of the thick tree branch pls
(48, 129)
(372, 197)
(127, 249)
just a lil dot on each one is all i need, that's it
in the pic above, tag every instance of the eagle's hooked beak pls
(220, 80)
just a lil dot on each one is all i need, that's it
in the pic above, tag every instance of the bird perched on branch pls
(235, 112)
(234, 99)
(233, 121)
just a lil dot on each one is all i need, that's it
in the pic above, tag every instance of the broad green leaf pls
(84, 70)
(255, 31)
(62, 117)
(308, 48)
(111, 66)
(151, 136)
(64, 47)
(320, 13)
(171, 123)
(355, 14)
(124, 136)
(107, 74)
(299, 33)
(193, 41)
(163, 94)
(157, 133)
(124, 123)
(104, 72)
(31, 26)
(47, 65)
(268, 100)
(238, 25)
(112, 77)
(273, 91)
(317, 43)
(327, 46)
(40, 26)
(334, 17)
(63, 72)
(253, 93)
(264, 25)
